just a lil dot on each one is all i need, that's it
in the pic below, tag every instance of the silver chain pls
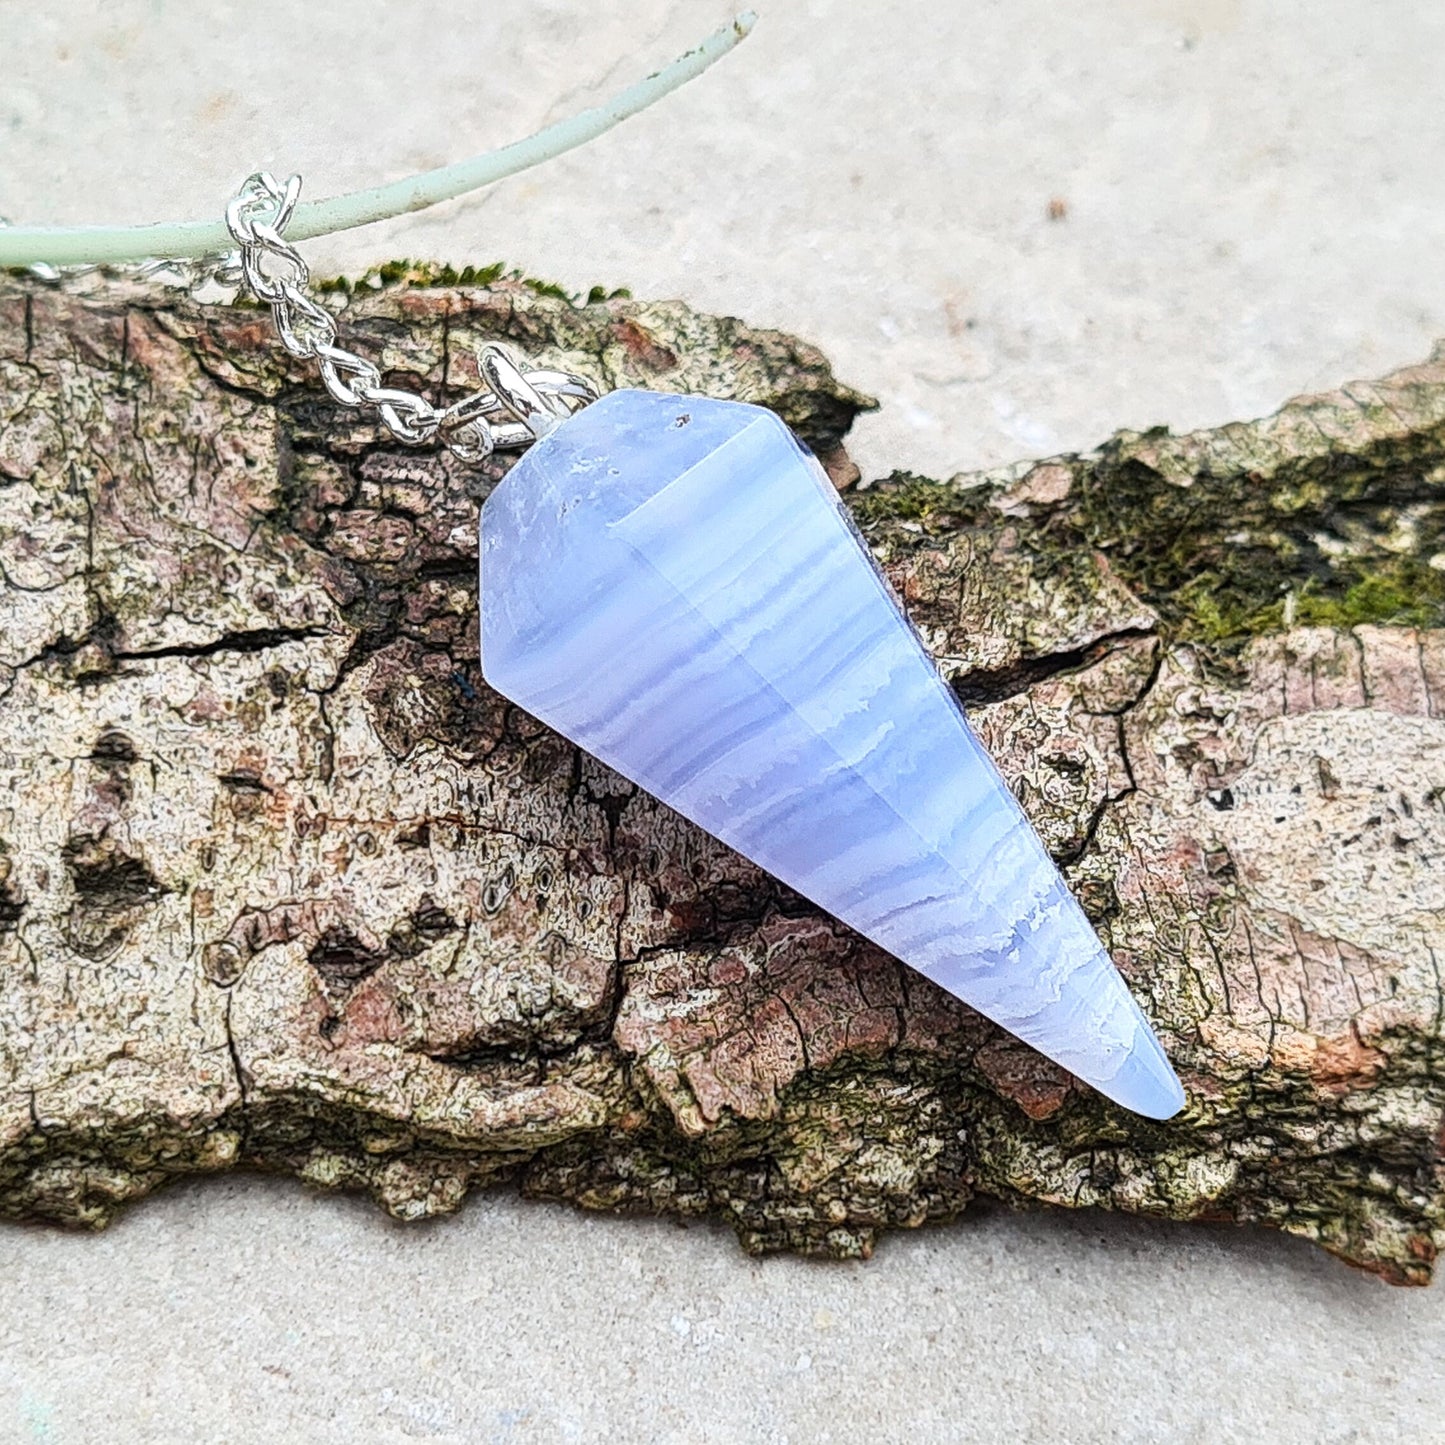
(517, 408)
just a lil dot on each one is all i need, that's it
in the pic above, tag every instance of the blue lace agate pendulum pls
(672, 583)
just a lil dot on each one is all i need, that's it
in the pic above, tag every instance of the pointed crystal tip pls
(1146, 1081)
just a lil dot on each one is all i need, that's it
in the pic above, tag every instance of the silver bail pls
(535, 411)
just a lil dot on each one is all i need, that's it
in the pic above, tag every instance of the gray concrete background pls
(1253, 207)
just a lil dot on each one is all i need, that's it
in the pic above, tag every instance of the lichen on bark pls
(283, 884)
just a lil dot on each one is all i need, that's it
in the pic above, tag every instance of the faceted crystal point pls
(671, 583)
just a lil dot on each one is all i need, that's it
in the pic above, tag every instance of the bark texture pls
(282, 883)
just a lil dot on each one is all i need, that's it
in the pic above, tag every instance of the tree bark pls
(282, 884)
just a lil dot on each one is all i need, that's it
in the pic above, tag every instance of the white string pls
(104, 245)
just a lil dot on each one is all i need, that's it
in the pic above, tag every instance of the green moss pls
(1230, 555)
(433, 273)
(547, 288)
(593, 297)
(1403, 592)
(906, 497)
(414, 273)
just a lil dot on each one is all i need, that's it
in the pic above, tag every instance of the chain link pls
(518, 407)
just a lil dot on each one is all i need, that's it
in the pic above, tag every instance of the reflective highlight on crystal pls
(671, 583)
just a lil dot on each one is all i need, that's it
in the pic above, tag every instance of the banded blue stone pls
(671, 583)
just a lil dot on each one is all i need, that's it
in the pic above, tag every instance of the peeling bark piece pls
(284, 885)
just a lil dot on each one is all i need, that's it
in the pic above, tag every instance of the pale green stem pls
(81, 245)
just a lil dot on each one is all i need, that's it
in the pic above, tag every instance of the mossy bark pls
(283, 884)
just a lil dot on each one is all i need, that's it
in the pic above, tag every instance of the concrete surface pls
(246, 1311)
(1249, 204)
